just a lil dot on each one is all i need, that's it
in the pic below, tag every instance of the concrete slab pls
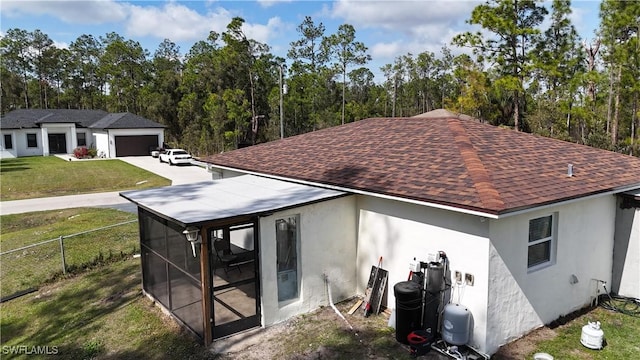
(178, 174)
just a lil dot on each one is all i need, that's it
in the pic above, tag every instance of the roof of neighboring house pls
(443, 160)
(97, 119)
(125, 121)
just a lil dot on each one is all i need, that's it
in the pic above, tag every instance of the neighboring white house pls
(541, 224)
(42, 132)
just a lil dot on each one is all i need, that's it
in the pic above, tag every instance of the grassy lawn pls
(33, 266)
(44, 176)
(99, 314)
(621, 334)
(102, 314)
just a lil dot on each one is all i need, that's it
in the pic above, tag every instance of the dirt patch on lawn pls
(520, 348)
(321, 334)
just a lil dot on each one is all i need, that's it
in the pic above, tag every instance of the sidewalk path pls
(177, 175)
(62, 202)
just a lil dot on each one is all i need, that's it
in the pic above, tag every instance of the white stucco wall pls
(519, 300)
(626, 253)
(101, 141)
(399, 232)
(327, 246)
(8, 153)
(21, 143)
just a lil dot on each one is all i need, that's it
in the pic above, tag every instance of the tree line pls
(226, 91)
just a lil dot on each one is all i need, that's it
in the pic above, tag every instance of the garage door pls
(138, 145)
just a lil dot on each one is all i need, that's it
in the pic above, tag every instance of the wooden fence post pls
(64, 264)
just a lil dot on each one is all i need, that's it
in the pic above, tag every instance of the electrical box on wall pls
(468, 279)
(414, 265)
(433, 258)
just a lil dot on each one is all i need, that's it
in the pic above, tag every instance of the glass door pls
(235, 278)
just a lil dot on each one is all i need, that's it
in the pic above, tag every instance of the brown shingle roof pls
(446, 160)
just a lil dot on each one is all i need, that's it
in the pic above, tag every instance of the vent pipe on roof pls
(570, 170)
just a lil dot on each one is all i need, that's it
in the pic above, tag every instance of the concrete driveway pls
(177, 174)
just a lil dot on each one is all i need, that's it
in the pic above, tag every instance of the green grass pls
(44, 176)
(37, 265)
(621, 333)
(99, 314)
(102, 314)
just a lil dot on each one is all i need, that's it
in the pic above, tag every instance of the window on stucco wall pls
(542, 241)
(82, 139)
(287, 245)
(8, 141)
(32, 140)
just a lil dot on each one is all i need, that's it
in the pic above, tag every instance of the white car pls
(175, 156)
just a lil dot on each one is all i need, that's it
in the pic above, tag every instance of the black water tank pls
(435, 278)
(408, 308)
(431, 305)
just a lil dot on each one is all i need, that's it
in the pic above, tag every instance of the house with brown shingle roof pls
(536, 225)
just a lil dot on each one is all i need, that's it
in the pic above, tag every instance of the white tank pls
(456, 324)
(592, 335)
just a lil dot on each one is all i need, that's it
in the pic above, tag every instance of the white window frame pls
(553, 239)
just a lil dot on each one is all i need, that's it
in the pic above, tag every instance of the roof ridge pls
(487, 193)
(47, 115)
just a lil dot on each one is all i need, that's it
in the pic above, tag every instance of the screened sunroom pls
(227, 255)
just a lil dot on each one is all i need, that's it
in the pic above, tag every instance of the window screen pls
(541, 241)
(170, 272)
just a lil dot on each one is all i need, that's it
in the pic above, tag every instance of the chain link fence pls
(24, 269)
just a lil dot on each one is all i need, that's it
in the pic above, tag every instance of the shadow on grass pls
(13, 169)
(9, 165)
(99, 314)
(62, 315)
(180, 347)
(68, 310)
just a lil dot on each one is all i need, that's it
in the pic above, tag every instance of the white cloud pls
(176, 22)
(269, 3)
(263, 33)
(387, 50)
(405, 26)
(585, 22)
(403, 16)
(72, 12)
(61, 45)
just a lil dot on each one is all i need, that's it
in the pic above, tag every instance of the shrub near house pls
(82, 152)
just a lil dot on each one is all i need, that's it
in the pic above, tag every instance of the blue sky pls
(388, 28)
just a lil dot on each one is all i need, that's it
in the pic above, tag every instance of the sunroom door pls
(235, 278)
